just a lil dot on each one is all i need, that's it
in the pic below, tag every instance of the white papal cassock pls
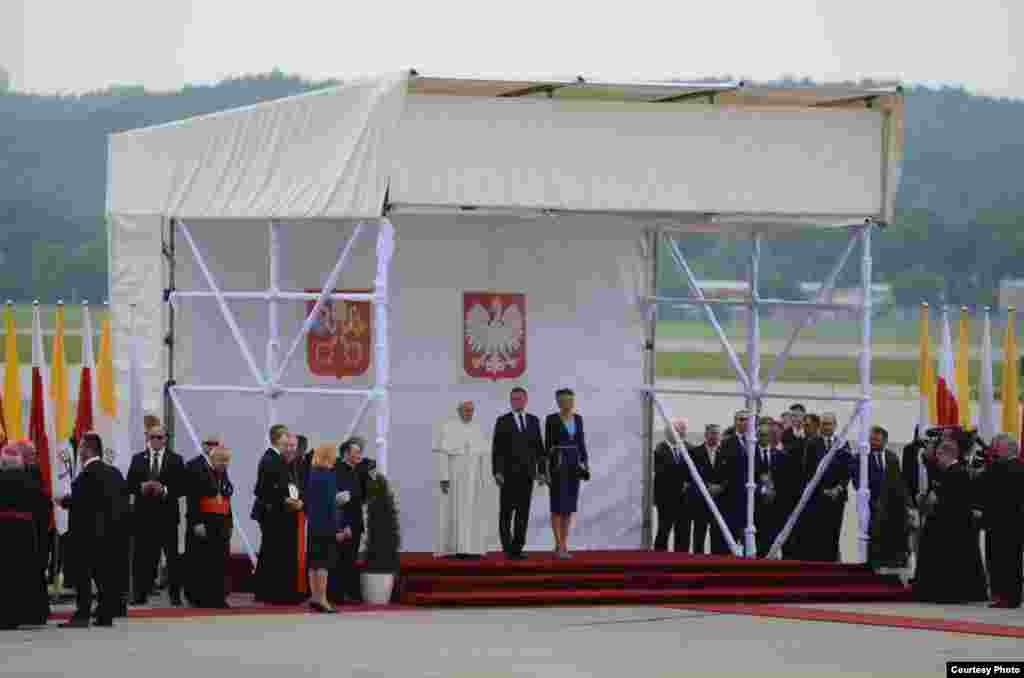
(466, 515)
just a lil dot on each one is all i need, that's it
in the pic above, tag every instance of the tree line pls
(959, 225)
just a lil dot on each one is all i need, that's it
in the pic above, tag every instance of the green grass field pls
(884, 331)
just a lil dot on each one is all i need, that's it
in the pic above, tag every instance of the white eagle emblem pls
(495, 337)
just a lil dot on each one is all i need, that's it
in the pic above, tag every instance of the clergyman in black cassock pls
(277, 508)
(20, 496)
(517, 459)
(209, 525)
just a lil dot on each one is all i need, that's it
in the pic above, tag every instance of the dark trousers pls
(93, 564)
(343, 581)
(206, 563)
(514, 512)
(702, 522)
(769, 524)
(1004, 551)
(153, 538)
(673, 517)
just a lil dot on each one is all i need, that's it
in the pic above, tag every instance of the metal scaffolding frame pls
(754, 390)
(268, 379)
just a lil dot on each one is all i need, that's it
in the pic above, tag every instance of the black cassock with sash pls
(209, 505)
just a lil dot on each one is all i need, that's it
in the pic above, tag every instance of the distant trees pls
(5, 80)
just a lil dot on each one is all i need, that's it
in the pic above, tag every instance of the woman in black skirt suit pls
(568, 463)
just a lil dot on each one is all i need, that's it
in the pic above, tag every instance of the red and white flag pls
(38, 430)
(84, 417)
(948, 410)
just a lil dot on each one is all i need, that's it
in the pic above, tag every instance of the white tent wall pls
(582, 277)
(595, 155)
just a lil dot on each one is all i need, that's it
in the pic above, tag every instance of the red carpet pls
(634, 577)
(866, 619)
(238, 610)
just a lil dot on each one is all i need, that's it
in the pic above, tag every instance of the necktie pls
(711, 455)
(154, 470)
(522, 422)
(678, 455)
(828, 444)
(878, 459)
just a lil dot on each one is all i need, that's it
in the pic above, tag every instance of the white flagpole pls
(986, 408)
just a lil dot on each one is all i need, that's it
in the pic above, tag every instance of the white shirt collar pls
(89, 461)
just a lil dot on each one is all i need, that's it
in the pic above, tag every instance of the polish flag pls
(37, 428)
(926, 375)
(83, 417)
(945, 396)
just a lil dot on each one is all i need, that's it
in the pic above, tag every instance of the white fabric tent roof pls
(716, 155)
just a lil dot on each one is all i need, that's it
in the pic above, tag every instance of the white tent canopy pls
(544, 188)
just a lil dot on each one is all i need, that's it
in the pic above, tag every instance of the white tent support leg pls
(684, 268)
(837, 444)
(274, 333)
(229, 316)
(172, 391)
(382, 303)
(719, 520)
(824, 297)
(863, 443)
(753, 396)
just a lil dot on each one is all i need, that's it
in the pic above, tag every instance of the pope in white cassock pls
(465, 493)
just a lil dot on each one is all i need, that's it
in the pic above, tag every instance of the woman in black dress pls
(566, 449)
(949, 557)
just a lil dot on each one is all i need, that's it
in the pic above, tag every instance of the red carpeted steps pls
(634, 577)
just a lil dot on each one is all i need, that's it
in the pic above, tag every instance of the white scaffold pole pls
(382, 386)
(325, 292)
(716, 514)
(863, 441)
(753, 397)
(229, 317)
(695, 290)
(274, 333)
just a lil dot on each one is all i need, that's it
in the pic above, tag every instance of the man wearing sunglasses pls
(155, 481)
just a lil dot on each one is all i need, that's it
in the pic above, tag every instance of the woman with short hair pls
(568, 462)
(327, 525)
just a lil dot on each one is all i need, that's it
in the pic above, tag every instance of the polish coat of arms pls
(494, 335)
(339, 341)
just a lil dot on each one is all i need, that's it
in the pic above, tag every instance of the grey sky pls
(55, 45)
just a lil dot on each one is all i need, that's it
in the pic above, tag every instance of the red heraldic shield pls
(339, 342)
(493, 335)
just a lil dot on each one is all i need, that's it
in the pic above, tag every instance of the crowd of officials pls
(931, 501)
(122, 527)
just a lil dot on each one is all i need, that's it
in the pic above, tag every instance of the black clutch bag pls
(582, 472)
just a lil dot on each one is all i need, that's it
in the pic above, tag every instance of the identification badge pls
(293, 492)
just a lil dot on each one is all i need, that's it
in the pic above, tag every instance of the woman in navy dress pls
(566, 449)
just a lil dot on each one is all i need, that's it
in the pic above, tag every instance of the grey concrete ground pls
(556, 643)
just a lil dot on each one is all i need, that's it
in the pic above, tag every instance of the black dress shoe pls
(518, 556)
(75, 623)
(139, 600)
(104, 623)
(176, 601)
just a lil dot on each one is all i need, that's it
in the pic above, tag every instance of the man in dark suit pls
(764, 490)
(713, 466)
(96, 506)
(1003, 512)
(770, 509)
(352, 471)
(156, 480)
(824, 512)
(517, 457)
(889, 527)
(671, 490)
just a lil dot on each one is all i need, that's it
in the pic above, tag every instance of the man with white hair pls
(465, 492)
(672, 483)
(1003, 512)
(20, 497)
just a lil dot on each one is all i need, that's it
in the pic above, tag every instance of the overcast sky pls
(56, 45)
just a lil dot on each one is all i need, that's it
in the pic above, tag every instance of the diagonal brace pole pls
(199, 448)
(229, 316)
(837, 444)
(719, 520)
(691, 280)
(824, 295)
(325, 292)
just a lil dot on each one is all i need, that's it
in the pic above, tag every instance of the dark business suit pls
(1003, 508)
(517, 455)
(770, 513)
(672, 484)
(96, 508)
(703, 520)
(567, 457)
(156, 521)
(344, 580)
(824, 514)
(739, 472)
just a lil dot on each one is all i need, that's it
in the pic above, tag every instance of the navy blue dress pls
(324, 518)
(567, 453)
